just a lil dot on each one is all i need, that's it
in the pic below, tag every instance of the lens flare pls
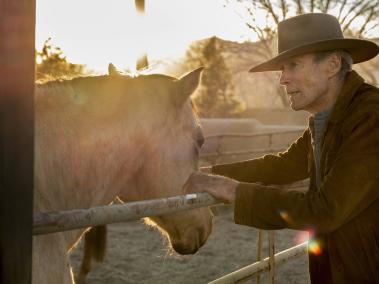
(285, 216)
(314, 247)
(300, 237)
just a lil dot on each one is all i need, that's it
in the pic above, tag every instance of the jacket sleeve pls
(286, 167)
(350, 186)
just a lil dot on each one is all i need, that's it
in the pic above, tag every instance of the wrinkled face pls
(306, 82)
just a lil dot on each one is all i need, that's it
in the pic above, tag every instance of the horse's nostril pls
(190, 240)
(184, 249)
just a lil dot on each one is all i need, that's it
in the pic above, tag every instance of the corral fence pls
(220, 151)
(59, 221)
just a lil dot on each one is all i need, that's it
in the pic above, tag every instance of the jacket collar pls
(352, 83)
(349, 89)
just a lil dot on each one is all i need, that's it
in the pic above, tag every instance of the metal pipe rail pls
(58, 221)
(217, 135)
(242, 152)
(251, 270)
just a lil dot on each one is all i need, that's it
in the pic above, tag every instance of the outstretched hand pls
(221, 188)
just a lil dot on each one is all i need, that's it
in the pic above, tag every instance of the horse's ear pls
(112, 70)
(187, 84)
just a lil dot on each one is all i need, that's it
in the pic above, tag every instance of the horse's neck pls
(81, 163)
(80, 172)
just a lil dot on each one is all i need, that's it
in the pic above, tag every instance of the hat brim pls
(359, 49)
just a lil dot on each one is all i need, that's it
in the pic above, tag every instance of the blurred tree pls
(357, 18)
(53, 64)
(216, 96)
(140, 5)
(142, 61)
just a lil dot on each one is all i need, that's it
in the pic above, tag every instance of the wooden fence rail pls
(269, 149)
(58, 221)
(250, 271)
(241, 152)
(248, 135)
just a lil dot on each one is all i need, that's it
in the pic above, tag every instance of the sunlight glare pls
(96, 32)
(314, 247)
(38, 59)
(300, 237)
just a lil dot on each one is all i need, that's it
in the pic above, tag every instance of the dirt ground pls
(139, 254)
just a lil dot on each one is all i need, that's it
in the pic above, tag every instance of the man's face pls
(306, 82)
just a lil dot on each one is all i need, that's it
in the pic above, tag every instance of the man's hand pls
(206, 170)
(220, 187)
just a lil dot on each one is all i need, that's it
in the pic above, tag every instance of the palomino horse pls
(103, 137)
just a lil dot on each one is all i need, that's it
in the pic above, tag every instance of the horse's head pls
(171, 146)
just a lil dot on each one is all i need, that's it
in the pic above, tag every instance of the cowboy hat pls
(315, 32)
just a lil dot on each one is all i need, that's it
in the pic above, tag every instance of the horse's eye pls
(200, 138)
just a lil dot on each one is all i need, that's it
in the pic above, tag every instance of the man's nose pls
(284, 79)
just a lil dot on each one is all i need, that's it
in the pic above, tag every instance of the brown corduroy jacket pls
(343, 213)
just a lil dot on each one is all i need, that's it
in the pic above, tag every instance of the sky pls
(96, 32)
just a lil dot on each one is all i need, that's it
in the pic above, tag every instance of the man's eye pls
(293, 64)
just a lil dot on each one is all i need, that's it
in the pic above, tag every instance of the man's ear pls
(334, 64)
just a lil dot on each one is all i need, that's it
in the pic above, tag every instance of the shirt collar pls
(352, 82)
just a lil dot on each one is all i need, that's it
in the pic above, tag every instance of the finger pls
(206, 170)
(192, 185)
(190, 178)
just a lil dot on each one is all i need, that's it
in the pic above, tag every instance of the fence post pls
(270, 141)
(271, 244)
(219, 149)
(17, 23)
(259, 252)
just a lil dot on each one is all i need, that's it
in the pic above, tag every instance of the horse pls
(102, 137)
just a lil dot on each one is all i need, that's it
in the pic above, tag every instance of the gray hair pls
(346, 60)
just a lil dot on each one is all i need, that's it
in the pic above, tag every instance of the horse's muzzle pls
(192, 245)
(184, 249)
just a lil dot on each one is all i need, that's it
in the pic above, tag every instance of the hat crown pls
(315, 32)
(307, 28)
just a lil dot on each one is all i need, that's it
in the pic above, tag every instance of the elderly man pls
(339, 152)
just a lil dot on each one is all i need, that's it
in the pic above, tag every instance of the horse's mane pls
(73, 85)
(84, 79)
(67, 89)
